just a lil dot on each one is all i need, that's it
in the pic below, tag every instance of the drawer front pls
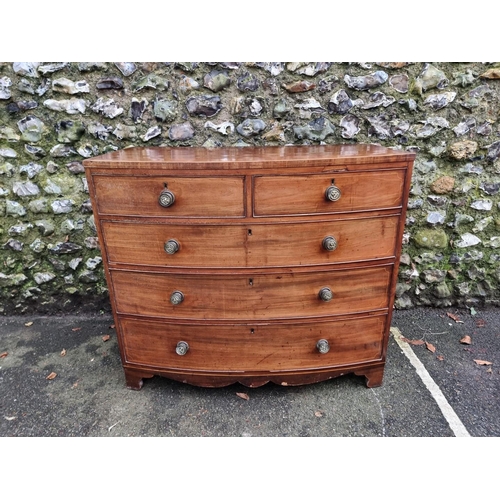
(194, 196)
(255, 245)
(233, 348)
(252, 297)
(306, 194)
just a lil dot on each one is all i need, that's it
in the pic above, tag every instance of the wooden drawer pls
(305, 194)
(255, 245)
(194, 196)
(252, 296)
(247, 347)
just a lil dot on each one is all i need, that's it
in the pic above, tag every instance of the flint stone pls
(45, 227)
(67, 86)
(204, 105)
(431, 77)
(25, 189)
(5, 92)
(122, 131)
(62, 206)
(181, 132)
(281, 109)
(275, 68)
(151, 81)
(492, 73)
(37, 245)
(327, 84)
(14, 208)
(380, 126)
(64, 248)
(99, 131)
(137, 109)
(399, 83)
(92, 263)
(151, 132)
(441, 291)
(52, 68)
(224, 128)
(464, 79)
(366, 82)
(467, 240)
(88, 277)
(438, 101)
(71, 106)
(51, 187)
(216, 80)
(484, 129)
(482, 224)
(251, 127)
(350, 125)
(435, 218)
(493, 151)
(7, 280)
(43, 277)
(20, 228)
(316, 130)
(165, 111)
(300, 86)
(31, 169)
(26, 86)
(15, 245)
(106, 107)
(434, 276)
(276, 133)
(91, 242)
(377, 99)
(88, 150)
(110, 83)
(19, 106)
(494, 242)
(75, 167)
(69, 131)
(340, 103)
(482, 205)
(310, 69)
(28, 69)
(247, 82)
(86, 206)
(126, 68)
(464, 127)
(38, 206)
(7, 153)
(9, 134)
(31, 128)
(490, 188)
(74, 263)
(92, 66)
(186, 84)
(61, 151)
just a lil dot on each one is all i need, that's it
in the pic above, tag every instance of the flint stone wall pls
(53, 115)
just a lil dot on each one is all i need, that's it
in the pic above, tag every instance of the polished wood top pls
(232, 158)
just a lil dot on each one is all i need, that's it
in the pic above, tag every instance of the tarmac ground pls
(61, 376)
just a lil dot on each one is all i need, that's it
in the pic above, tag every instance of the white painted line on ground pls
(449, 414)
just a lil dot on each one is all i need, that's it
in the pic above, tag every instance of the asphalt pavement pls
(62, 376)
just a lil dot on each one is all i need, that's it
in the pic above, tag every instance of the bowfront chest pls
(251, 265)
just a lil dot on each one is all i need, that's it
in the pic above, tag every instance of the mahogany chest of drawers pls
(251, 265)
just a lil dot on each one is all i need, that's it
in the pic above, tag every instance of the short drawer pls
(193, 196)
(247, 347)
(328, 193)
(255, 245)
(252, 296)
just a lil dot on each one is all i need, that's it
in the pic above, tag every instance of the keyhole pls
(250, 282)
(252, 331)
(249, 232)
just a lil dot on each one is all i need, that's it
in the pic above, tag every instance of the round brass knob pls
(329, 243)
(333, 193)
(323, 346)
(182, 348)
(171, 247)
(176, 297)
(166, 198)
(325, 294)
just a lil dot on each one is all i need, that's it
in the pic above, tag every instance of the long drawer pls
(243, 245)
(307, 194)
(253, 347)
(252, 296)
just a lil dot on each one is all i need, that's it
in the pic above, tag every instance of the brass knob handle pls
(171, 247)
(333, 193)
(182, 348)
(176, 297)
(323, 346)
(325, 294)
(329, 243)
(166, 198)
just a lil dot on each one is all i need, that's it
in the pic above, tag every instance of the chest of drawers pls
(251, 265)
